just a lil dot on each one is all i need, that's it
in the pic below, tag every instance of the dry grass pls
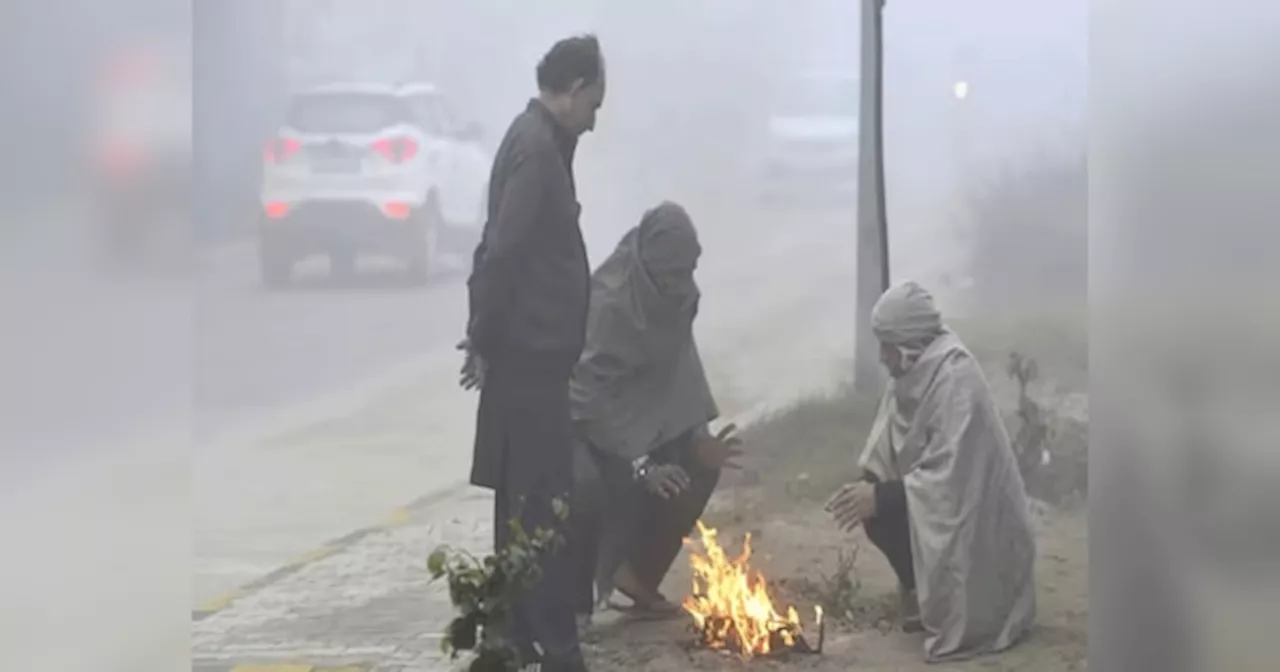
(803, 452)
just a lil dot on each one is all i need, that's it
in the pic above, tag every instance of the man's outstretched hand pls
(852, 504)
(722, 450)
(471, 377)
(667, 480)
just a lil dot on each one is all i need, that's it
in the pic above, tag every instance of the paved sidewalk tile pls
(367, 607)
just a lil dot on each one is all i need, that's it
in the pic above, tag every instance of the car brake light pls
(396, 210)
(279, 150)
(276, 209)
(396, 150)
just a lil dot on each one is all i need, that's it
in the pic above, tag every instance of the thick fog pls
(172, 405)
(179, 362)
(692, 84)
(691, 89)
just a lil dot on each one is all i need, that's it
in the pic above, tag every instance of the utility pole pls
(873, 239)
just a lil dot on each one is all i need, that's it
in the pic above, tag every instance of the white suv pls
(371, 169)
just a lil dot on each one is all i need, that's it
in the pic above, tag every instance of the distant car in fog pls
(141, 152)
(367, 169)
(810, 147)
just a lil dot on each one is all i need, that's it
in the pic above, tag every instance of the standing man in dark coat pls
(529, 292)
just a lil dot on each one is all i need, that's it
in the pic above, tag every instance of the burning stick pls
(731, 607)
(822, 628)
(802, 645)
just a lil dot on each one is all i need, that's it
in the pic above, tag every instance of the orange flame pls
(730, 606)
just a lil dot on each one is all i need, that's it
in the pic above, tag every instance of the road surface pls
(257, 351)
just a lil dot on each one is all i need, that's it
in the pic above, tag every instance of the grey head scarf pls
(640, 382)
(907, 318)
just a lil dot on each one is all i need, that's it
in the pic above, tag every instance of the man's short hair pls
(569, 60)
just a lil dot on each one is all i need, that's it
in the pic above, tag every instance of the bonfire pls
(731, 607)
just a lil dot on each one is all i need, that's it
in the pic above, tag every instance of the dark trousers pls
(545, 612)
(524, 452)
(890, 530)
(626, 524)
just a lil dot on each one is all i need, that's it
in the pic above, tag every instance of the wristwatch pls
(640, 468)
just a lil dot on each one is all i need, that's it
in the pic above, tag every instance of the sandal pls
(644, 602)
(653, 606)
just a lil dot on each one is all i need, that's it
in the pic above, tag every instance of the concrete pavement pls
(365, 604)
(261, 505)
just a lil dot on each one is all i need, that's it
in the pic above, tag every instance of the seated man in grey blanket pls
(941, 495)
(646, 462)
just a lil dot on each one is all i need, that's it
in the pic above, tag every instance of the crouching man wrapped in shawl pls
(942, 496)
(645, 463)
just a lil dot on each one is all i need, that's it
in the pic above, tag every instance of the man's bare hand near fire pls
(722, 450)
(852, 504)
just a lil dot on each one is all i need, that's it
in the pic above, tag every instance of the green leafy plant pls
(483, 589)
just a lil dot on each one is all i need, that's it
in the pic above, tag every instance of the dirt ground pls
(798, 549)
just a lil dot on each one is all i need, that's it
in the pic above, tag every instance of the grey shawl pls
(640, 382)
(938, 430)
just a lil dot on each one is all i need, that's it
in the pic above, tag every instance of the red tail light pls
(396, 210)
(279, 150)
(276, 209)
(396, 150)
